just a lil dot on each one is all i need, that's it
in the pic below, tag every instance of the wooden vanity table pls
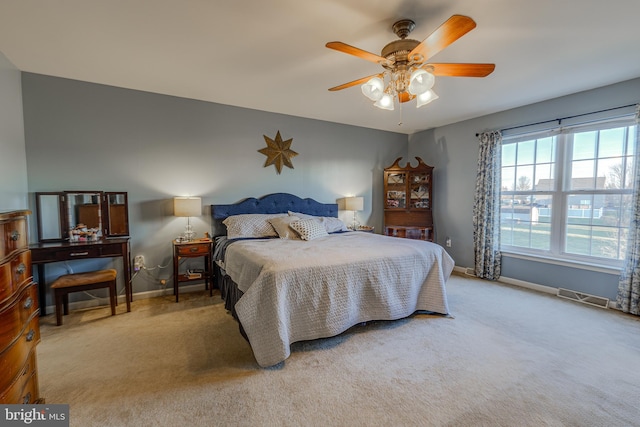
(76, 225)
(47, 252)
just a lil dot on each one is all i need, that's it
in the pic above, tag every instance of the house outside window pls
(567, 195)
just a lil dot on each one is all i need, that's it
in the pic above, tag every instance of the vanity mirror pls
(117, 219)
(81, 215)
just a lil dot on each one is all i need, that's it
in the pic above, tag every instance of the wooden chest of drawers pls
(19, 313)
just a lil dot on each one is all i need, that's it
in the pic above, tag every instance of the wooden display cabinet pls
(408, 200)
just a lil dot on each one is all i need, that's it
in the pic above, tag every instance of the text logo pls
(34, 415)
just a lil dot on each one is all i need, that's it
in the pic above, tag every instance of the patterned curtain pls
(486, 207)
(628, 299)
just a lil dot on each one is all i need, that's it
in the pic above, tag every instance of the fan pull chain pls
(400, 108)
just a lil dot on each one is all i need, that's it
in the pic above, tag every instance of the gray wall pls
(13, 160)
(453, 150)
(94, 137)
(87, 136)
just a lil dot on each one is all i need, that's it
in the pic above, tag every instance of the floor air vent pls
(583, 298)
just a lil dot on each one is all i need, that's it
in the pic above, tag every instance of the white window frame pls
(559, 197)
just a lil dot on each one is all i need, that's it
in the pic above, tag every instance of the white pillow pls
(250, 225)
(281, 225)
(331, 224)
(309, 229)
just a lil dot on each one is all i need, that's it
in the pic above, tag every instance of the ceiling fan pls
(408, 74)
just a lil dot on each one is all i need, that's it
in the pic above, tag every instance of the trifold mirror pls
(81, 215)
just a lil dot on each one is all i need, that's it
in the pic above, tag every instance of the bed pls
(289, 271)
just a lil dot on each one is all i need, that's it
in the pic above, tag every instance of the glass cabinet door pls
(419, 190)
(396, 190)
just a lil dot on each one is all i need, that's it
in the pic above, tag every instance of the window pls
(568, 195)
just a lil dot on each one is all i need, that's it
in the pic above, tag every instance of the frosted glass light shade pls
(386, 102)
(373, 88)
(354, 203)
(426, 98)
(187, 206)
(420, 82)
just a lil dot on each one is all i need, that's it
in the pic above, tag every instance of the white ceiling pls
(271, 55)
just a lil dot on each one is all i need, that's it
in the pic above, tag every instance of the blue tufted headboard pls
(272, 203)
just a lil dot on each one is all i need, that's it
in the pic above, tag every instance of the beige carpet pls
(509, 357)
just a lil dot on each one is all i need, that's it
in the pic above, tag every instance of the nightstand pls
(193, 249)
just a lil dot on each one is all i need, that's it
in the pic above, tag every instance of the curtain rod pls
(559, 120)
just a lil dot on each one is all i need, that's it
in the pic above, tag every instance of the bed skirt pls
(230, 295)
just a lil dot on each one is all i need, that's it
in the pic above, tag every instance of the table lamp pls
(354, 204)
(187, 206)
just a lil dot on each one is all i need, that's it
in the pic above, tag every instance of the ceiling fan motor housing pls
(397, 51)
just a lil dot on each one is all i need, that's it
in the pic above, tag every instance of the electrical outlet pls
(448, 242)
(138, 263)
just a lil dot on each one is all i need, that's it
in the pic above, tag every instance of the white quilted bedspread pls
(297, 290)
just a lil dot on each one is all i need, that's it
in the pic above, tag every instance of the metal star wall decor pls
(278, 152)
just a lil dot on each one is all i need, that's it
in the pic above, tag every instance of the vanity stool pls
(77, 282)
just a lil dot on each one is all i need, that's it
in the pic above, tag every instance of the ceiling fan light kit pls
(425, 98)
(420, 81)
(373, 88)
(385, 102)
(407, 73)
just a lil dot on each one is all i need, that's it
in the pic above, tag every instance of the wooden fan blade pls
(345, 48)
(450, 31)
(461, 70)
(354, 83)
(405, 97)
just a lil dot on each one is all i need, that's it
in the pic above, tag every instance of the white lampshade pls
(187, 206)
(354, 203)
(426, 98)
(385, 103)
(420, 81)
(373, 88)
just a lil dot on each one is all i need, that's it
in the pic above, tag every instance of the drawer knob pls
(27, 398)
(21, 269)
(15, 235)
(31, 335)
(28, 303)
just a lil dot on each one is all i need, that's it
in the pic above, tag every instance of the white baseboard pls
(521, 283)
(96, 302)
